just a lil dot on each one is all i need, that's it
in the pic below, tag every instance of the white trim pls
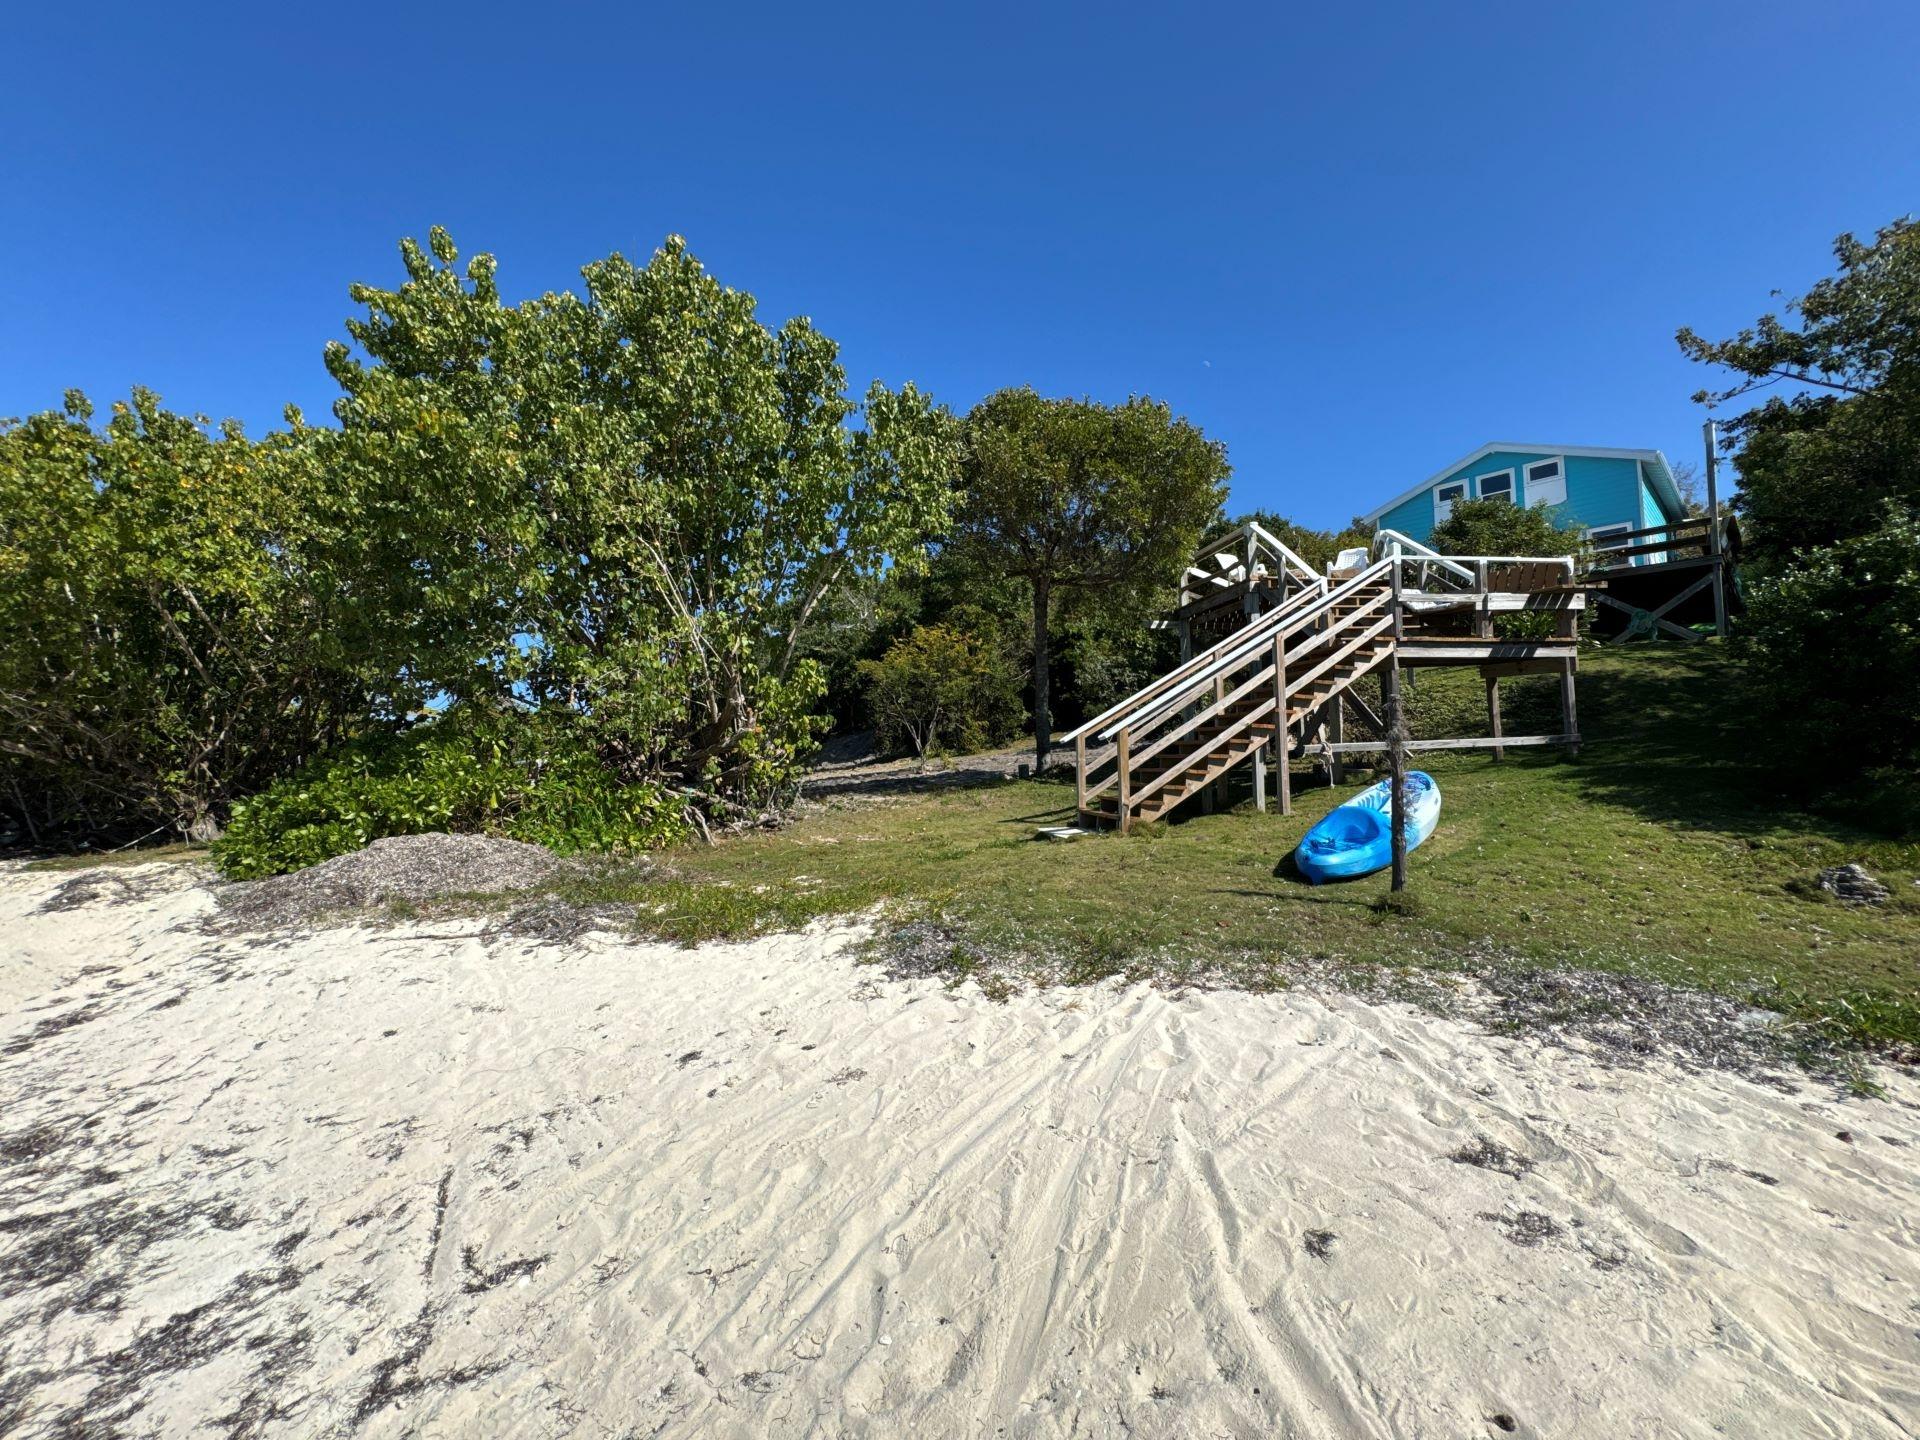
(1513, 486)
(1463, 486)
(1595, 532)
(1526, 479)
(1594, 452)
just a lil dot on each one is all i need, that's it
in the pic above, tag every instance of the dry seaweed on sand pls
(1489, 1154)
(397, 871)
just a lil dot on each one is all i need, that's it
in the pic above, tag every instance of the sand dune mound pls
(401, 869)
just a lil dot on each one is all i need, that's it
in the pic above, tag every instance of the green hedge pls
(514, 776)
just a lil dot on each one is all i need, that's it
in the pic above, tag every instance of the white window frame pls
(1526, 472)
(1595, 532)
(1480, 484)
(1443, 503)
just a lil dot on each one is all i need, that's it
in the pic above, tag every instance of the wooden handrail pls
(1697, 522)
(1196, 665)
(1241, 643)
(1656, 547)
(1246, 652)
(1259, 711)
(1265, 674)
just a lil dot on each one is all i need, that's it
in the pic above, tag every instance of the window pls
(1443, 499)
(1547, 483)
(1599, 535)
(1497, 486)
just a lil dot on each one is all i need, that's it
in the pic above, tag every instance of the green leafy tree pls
(172, 643)
(1077, 498)
(1499, 527)
(1830, 488)
(629, 505)
(1318, 548)
(1818, 465)
(940, 688)
(1854, 605)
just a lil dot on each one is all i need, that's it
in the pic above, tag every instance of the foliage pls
(1075, 497)
(1830, 485)
(1106, 653)
(1819, 465)
(1319, 548)
(1498, 527)
(1665, 831)
(171, 645)
(1858, 704)
(939, 688)
(627, 507)
(523, 776)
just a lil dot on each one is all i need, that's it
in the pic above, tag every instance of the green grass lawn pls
(1662, 851)
(1665, 851)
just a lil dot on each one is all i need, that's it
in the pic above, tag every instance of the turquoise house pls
(1605, 490)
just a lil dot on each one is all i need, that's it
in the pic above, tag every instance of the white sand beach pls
(421, 1182)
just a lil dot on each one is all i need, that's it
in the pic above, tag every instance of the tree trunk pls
(1042, 700)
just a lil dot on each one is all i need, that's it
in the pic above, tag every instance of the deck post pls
(1282, 727)
(1712, 431)
(1337, 733)
(1493, 714)
(1260, 779)
(1126, 779)
(1569, 720)
(1080, 777)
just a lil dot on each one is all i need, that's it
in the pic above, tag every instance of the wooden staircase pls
(1255, 696)
(1259, 694)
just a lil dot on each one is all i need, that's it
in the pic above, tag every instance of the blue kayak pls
(1356, 838)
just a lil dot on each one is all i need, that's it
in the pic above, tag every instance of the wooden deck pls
(1279, 657)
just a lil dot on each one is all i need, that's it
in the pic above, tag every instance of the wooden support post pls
(1282, 729)
(1712, 430)
(1126, 780)
(1396, 751)
(1337, 733)
(1260, 780)
(1079, 777)
(1396, 774)
(1569, 724)
(1493, 715)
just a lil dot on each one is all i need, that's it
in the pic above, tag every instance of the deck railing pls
(1244, 553)
(1658, 544)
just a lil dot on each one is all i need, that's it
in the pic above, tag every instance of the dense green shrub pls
(1499, 527)
(629, 504)
(938, 688)
(1830, 488)
(516, 776)
(171, 644)
(1832, 643)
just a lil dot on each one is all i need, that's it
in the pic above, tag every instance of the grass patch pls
(173, 854)
(1662, 853)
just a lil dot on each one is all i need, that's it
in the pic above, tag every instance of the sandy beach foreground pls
(421, 1182)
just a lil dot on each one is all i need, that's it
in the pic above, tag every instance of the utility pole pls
(1712, 433)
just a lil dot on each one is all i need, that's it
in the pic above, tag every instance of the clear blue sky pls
(1353, 242)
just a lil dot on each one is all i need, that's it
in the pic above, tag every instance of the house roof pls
(1659, 474)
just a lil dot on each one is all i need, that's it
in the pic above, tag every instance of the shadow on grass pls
(1670, 738)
